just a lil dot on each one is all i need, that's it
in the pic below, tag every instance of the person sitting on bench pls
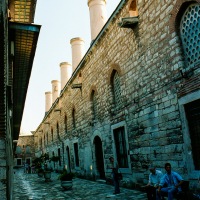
(170, 183)
(154, 180)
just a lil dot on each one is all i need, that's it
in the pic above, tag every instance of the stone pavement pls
(30, 186)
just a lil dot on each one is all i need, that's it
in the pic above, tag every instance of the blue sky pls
(61, 21)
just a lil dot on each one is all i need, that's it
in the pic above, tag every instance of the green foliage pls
(40, 170)
(66, 176)
(45, 157)
(55, 158)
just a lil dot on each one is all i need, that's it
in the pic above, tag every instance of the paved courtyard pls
(30, 186)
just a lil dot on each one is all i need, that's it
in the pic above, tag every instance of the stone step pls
(101, 181)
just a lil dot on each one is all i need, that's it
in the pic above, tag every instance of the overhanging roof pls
(22, 11)
(25, 37)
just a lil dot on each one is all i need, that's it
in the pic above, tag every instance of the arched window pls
(65, 121)
(116, 86)
(47, 137)
(73, 118)
(190, 34)
(94, 104)
(52, 134)
(133, 11)
(57, 130)
(41, 142)
(18, 150)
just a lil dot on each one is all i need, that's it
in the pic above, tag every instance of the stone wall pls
(5, 130)
(148, 58)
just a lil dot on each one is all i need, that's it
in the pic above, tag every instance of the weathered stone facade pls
(130, 104)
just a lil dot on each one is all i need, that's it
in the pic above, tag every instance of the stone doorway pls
(68, 160)
(99, 157)
(193, 116)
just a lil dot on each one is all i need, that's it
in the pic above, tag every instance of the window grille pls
(116, 89)
(190, 34)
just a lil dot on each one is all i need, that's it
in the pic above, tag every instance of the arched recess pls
(57, 130)
(177, 13)
(99, 158)
(68, 161)
(133, 10)
(18, 150)
(73, 117)
(65, 123)
(113, 68)
(28, 149)
(92, 89)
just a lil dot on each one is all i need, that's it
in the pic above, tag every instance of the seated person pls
(154, 180)
(169, 184)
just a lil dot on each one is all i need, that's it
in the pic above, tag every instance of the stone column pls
(78, 51)
(98, 16)
(65, 73)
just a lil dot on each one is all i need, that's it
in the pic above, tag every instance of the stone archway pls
(99, 157)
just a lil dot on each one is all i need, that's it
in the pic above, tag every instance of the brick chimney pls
(98, 16)
(65, 73)
(48, 101)
(55, 90)
(78, 51)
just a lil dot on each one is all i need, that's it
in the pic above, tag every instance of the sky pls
(60, 20)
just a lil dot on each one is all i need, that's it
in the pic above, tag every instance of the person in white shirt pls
(154, 181)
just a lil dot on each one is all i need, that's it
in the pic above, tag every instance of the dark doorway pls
(121, 149)
(68, 160)
(59, 156)
(193, 116)
(99, 157)
(19, 161)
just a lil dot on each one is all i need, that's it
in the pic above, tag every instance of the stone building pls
(18, 39)
(134, 95)
(25, 150)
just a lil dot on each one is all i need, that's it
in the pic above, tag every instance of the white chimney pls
(55, 90)
(48, 101)
(65, 73)
(98, 16)
(78, 51)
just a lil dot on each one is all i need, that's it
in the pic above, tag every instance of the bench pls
(184, 194)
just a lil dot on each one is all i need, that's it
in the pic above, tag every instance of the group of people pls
(29, 168)
(160, 185)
